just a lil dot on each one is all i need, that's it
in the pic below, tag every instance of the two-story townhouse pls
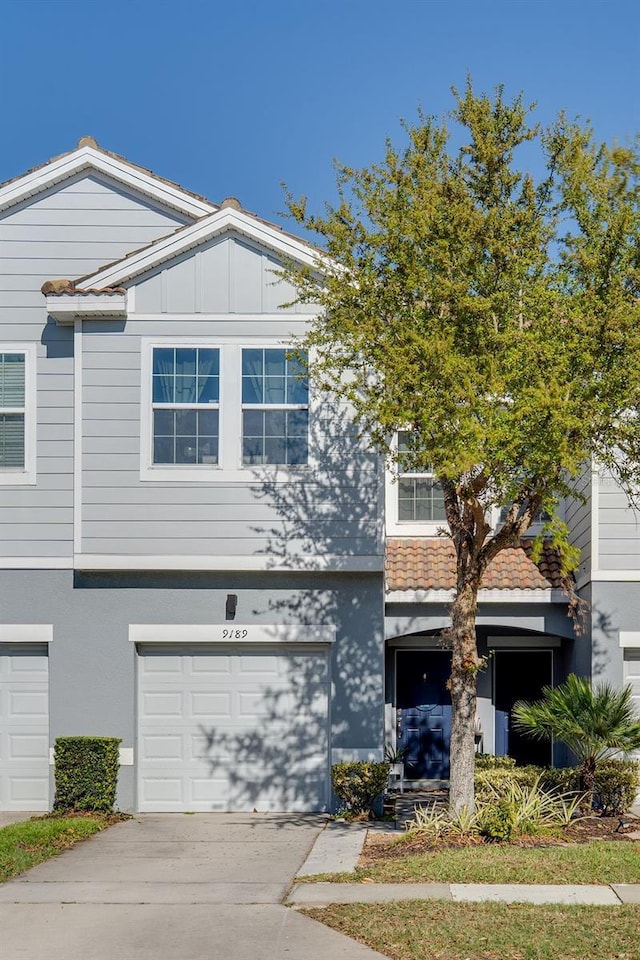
(192, 543)
(193, 540)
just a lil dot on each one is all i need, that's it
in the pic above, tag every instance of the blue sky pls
(231, 98)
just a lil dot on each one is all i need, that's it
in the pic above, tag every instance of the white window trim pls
(229, 468)
(405, 528)
(27, 475)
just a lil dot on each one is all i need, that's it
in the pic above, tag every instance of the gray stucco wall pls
(93, 664)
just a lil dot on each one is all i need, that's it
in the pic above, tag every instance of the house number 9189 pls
(234, 634)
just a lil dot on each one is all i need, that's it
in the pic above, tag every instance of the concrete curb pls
(321, 894)
(337, 849)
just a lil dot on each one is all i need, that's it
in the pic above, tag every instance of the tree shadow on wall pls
(324, 520)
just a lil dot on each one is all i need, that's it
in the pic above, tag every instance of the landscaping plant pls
(358, 785)
(594, 721)
(86, 773)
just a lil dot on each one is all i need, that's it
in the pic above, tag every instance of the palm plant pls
(595, 722)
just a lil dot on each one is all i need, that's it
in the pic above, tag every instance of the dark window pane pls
(296, 367)
(185, 361)
(163, 450)
(208, 389)
(185, 449)
(207, 450)
(185, 423)
(163, 389)
(163, 423)
(274, 423)
(298, 423)
(297, 391)
(275, 450)
(251, 390)
(274, 363)
(208, 362)
(253, 423)
(185, 390)
(252, 363)
(297, 451)
(12, 378)
(405, 511)
(274, 390)
(252, 450)
(208, 423)
(163, 361)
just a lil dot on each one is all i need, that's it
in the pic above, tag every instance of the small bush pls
(497, 820)
(500, 779)
(86, 773)
(359, 784)
(616, 785)
(487, 761)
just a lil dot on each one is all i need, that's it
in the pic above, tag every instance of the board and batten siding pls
(618, 527)
(229, 274)
(577, 516)
(66, 231)
(332, 508)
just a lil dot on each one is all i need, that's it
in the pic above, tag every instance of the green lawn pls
(598, 862)
(437, 930)
(23, 845)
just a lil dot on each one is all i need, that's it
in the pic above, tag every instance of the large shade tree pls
(492, 314)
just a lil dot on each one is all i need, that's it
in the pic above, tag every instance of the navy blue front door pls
(423, 712)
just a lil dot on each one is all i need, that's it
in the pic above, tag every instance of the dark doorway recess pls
(520, 675)
(423, 712)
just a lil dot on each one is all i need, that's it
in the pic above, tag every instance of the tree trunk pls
(588, 781)
(464, 670)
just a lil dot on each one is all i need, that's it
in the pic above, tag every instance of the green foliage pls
(594, 721)
(616, 784)
(493, 316)
(497, 820)
(487, 761)
(359, 784)
(86, 773)
(23, 845)
(487, 781)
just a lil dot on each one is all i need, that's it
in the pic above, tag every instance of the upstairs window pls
(420, 496)
(186, 405)
(13, 411)
(275, 408)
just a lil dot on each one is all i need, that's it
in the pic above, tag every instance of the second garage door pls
(237, 728)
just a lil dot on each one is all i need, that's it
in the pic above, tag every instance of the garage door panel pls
(252, 731)
(632, 677)
(24, 729)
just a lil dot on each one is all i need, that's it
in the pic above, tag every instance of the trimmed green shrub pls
(616, 784)
(487, 761)
(86, 772)
(359, 784)
(501, 779)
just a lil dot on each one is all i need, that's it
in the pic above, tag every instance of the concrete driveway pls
(172, 887)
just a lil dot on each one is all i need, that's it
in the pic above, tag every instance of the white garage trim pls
(26, 632)
(629, 639)
(229, 633)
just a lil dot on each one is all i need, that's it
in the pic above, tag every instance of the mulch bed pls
(386, 846)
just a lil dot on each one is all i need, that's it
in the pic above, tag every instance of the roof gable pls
(89, 156)
(226, 219)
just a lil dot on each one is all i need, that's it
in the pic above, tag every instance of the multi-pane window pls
(12, 410)
(275, 408)
(186, 405)
(420, 497)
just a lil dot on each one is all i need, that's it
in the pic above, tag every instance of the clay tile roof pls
(61, 288)
(429, 564)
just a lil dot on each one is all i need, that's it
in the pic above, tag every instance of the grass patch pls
(437, 930)
(599, 862)
(24, 844)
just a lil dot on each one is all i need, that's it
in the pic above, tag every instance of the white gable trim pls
(87, 158)
(221, 221)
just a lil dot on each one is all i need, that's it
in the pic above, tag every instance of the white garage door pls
(233, 728)
(632, 675)
(24, 728)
